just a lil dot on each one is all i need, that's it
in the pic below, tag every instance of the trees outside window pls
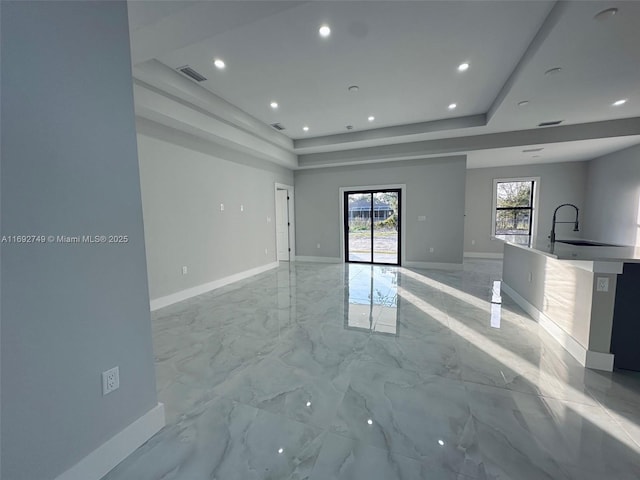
(514, 210)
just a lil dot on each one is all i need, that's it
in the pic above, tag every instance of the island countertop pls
(592, 258)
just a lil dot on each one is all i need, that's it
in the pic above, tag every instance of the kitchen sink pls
(587, 243)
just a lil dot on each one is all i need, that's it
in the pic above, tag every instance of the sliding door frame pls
(401, 207)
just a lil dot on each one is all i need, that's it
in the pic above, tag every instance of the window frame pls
(534, 206)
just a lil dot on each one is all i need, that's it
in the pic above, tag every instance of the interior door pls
(372, 226)
(282, 225)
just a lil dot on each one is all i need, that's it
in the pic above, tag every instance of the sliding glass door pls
(372, 226)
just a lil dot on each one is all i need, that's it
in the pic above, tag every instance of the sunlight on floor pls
(505, 356)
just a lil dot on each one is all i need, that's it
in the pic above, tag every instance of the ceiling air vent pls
(191, 73)
(277, 126)
(549, 124)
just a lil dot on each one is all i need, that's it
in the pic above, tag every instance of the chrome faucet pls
(553, 227)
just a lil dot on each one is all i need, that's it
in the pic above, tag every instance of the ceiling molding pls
(169, 82)
(413, 161)
(200, 144)
(449, 146)
(173, 112)
(390, 133)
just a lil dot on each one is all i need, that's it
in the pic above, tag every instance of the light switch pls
(222, 207)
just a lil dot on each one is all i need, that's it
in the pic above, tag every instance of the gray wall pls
(435, 189)
(559, 183)
(184, 181)
(614, 195)
(69, 167)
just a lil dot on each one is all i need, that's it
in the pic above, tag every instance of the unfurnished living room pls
(288, 240)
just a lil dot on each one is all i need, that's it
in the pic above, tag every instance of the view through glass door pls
(372, 226)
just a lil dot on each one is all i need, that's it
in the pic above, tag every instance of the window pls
(513, 212)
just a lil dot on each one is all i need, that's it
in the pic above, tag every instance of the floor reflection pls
(261, 380)
(496, 304)
(371, 298)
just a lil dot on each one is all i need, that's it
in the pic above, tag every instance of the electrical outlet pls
(422, 218)
(242, 208)
(222, 207)
(318, 246)
(266, 251)
(110, 380)
(473, 242)
(602, 284)
(431, 250)
(185, 270)
(268, 219)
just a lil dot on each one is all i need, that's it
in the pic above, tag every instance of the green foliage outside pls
(510, 195)
(514, 194)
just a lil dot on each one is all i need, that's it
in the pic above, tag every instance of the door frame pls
(403, 207)
(291, 209)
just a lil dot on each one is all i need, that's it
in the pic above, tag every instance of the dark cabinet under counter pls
(625, 334)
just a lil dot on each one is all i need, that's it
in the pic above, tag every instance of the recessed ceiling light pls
(463, 67)
(452, 106)
(553, 71)
(324, 31)
(281, 450)
(617, 103)
(219, 63)
(371, 118)
(305, 128)
(523, 103)
(353, 88)
(606, 14)
(274, 104)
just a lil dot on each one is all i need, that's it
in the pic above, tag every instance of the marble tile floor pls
(324, 371)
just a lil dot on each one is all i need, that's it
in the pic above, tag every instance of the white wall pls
(435, 189)
(559, 183)
(614, 195)
(184, 180)
(69, 167)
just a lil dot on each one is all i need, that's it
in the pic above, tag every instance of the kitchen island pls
(571, 291)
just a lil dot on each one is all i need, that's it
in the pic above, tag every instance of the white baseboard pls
(569, 343)
(99, 462)
(302, 258)
(600, 361)
(586, 358)
(167, 300)
(434, 265)
(484, 255)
